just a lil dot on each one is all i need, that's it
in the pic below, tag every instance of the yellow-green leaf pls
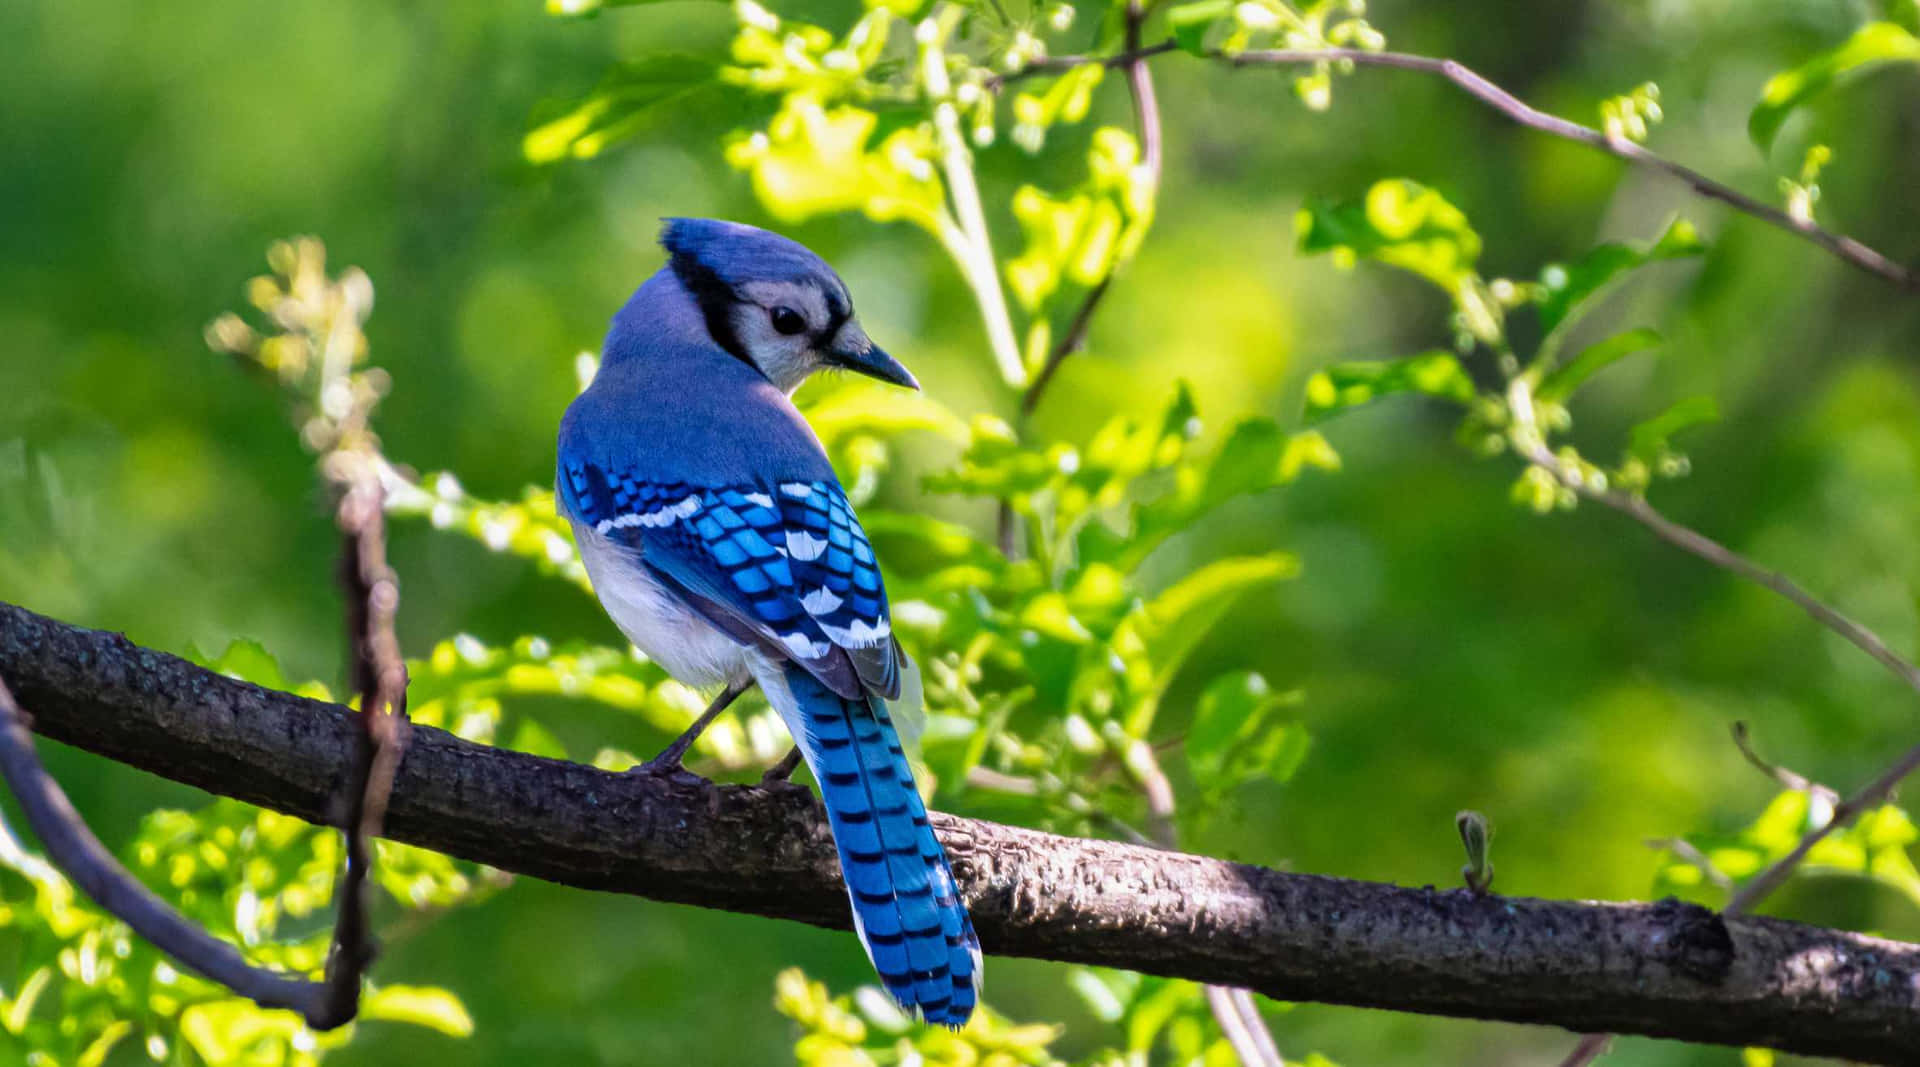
(1872, 45)
(435, 1009)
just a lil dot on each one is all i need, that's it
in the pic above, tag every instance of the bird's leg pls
(669, 758)
(783, 770)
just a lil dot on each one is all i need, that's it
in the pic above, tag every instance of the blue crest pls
(733, 253)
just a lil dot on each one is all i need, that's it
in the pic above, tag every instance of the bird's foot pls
(668, 766)
(781, 773)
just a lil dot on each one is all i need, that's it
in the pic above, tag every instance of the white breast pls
(655, 620)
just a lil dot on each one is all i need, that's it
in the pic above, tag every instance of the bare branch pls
(1668, 969)
(372, 598)
(1251, 1044)
(1590, 1048)
(1072, 341)
(1743, 740)
(1868, 797)
(1532, 447)
(1847, 249)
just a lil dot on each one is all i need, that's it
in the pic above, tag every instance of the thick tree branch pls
(1847, 249)
(80, 856)
(1669, 969)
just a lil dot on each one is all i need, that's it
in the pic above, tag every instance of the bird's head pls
(771, 302)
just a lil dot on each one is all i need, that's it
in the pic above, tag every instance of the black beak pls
(853, 349)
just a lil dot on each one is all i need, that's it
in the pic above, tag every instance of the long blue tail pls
(905, 907)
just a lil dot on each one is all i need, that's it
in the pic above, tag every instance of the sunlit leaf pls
(1400, 223)
(864, 407)
(1872, 45)
(1345, 386)
(435, 1009)
(619, 107)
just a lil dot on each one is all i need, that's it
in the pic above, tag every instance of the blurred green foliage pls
(499, 172)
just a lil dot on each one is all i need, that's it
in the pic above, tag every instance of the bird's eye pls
(788, 321)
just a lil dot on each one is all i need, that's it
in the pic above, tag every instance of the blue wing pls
(783, 566)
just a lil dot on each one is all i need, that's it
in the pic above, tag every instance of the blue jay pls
(722, 545)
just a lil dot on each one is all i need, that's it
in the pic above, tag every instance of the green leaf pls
(433, 1008)
(100, 1047)
(996, 464)
(1649, 441)
(1562, 383)
(534, 739)
(1344, 386)
(864, 407)
(1567, 288)
(1189, 23)
(618, 107)
(1872, 45)
(1400, 223)
(1173, 623)
(1234, 738)
(1050, 614)
(15, 1013)
(247, 660)
(941, 542)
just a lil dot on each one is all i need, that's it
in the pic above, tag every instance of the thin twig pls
(1869, 796)
(372, 599)
(1072, 341)
(1059, 64)
(1532, 447)
(1146, 106)
(1590, 1048)
(1695, 858)
(1847, 249)
(1267, 1053)
(1743, 740)
(1246, 1040)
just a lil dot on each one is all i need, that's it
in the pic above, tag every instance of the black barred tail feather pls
(905, 906)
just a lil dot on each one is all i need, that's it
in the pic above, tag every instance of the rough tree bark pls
(1667, 969)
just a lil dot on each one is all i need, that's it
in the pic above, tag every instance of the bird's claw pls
(671, 770)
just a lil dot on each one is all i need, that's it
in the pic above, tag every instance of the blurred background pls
(1569, 676)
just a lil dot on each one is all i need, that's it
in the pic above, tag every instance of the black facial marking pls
(716, 298)
(839, 310)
